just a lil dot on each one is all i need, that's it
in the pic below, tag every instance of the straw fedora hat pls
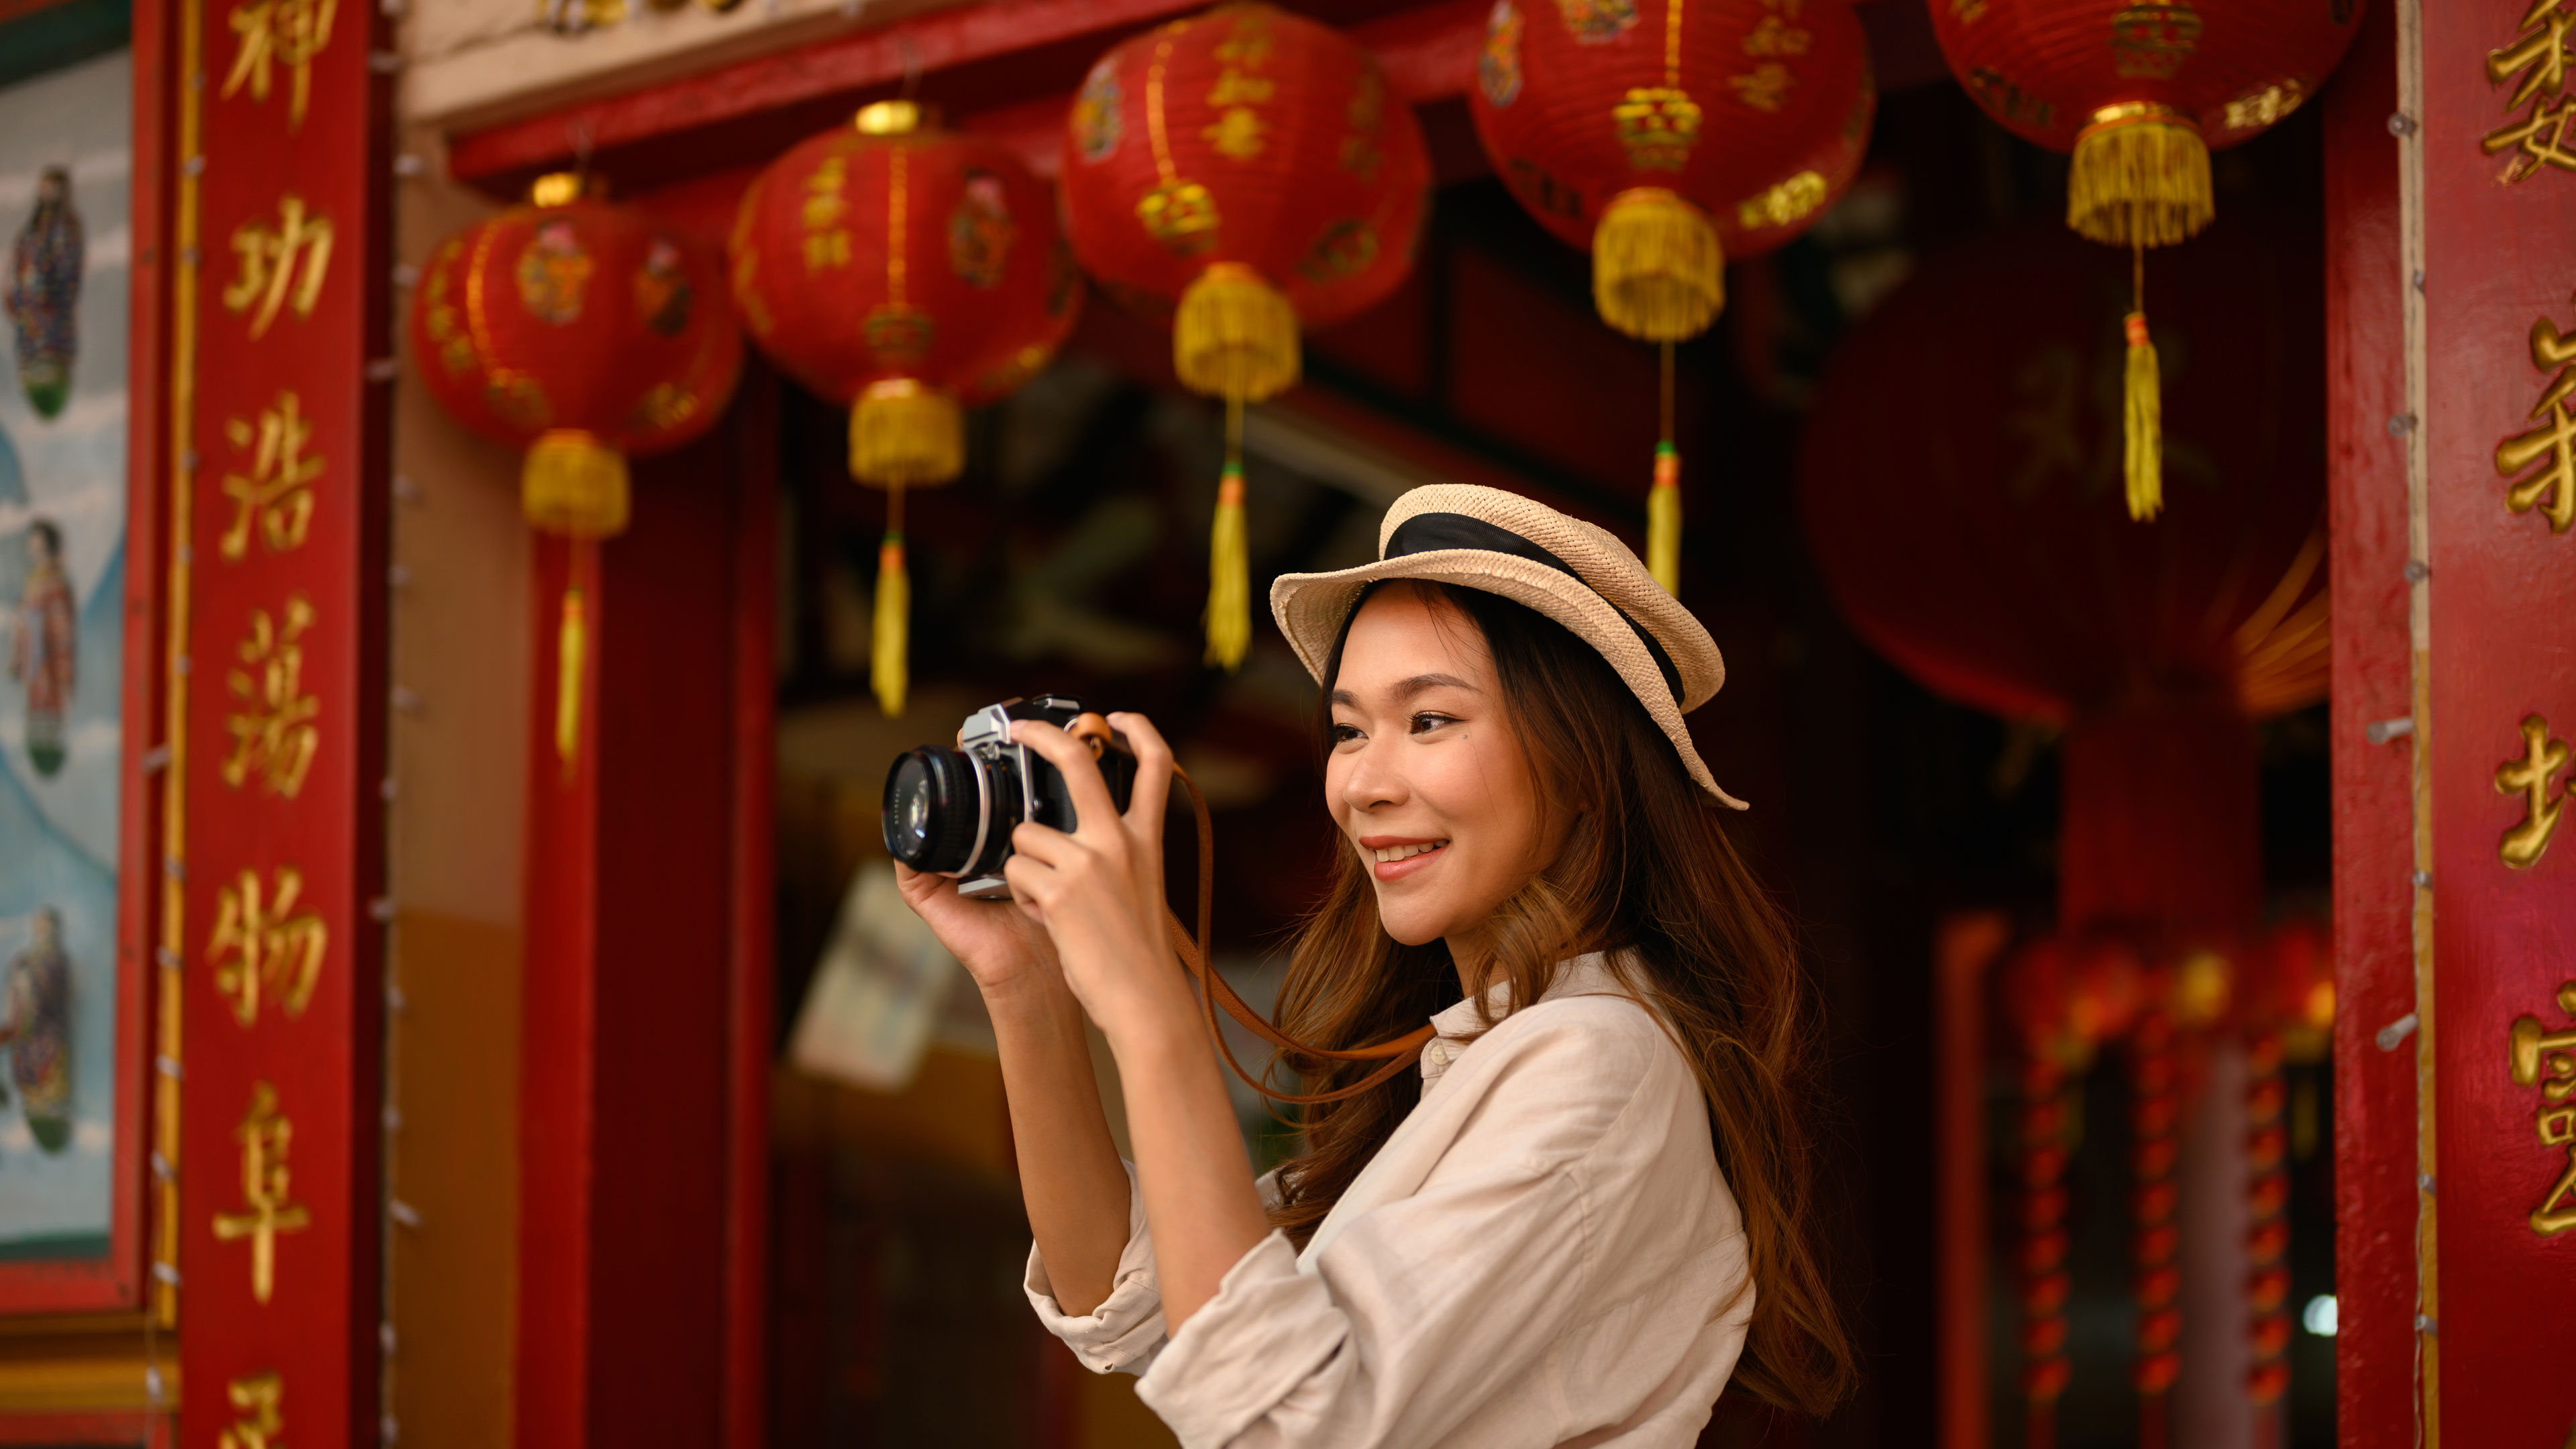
(1574, 573)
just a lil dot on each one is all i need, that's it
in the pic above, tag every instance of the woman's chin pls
(1410, 925)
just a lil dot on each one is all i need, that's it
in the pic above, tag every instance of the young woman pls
(1588, 1209)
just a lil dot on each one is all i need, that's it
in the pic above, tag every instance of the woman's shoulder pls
(1597, 1027)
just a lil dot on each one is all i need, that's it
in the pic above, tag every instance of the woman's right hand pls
(999, 946)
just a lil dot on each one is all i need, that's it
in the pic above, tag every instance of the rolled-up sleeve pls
(1400, 1328)
(1126, 1330)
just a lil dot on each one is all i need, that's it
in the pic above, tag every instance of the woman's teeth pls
(1407, 852)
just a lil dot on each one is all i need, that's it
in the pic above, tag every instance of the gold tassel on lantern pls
(903, 431)
(2140, 176)
(1229, 606)
(889, 660)
(1235, 336)
(1658, 269)
(576, 486)
(1664, 500)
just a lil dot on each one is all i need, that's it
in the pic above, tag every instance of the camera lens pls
(931, 804)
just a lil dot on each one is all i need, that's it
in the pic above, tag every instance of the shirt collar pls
(1585, 975)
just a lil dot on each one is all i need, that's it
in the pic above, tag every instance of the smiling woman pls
(1587, 1214)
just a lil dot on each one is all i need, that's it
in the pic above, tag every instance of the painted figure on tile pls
(980, 231)
(43, 654)
(44, 287)
(37, 1030)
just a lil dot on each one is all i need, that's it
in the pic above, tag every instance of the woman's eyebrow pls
(1404, 689)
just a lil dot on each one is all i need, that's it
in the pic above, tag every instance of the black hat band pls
(1434, 532)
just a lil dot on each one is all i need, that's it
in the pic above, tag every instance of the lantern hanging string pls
(1664, 500)
(889, 662)
(1229, 605)
(2142, 415)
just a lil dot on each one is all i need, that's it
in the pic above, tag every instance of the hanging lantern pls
(2140, 95)
(1250, 169)
(1665, 138)
(583, 334)
(906, 273)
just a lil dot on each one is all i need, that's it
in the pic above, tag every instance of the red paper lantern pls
(2140, 94)
(1664, 138)
(1989, 557)
(1251, 169)
(584, 334)
(905, 272)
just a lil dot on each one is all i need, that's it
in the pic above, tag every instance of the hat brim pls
(1311, 609)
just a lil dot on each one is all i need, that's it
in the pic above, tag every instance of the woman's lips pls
(1417, 856)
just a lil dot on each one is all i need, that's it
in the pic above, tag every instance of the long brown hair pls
(1648, 875)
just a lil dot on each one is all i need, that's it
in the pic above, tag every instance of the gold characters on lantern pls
(263, 947)
(273, 729)
(265, 1135)
(2535, 778)
(288, 261)
(276, 495)
(2552, 444)
(2547, 1059)
(2537, 54)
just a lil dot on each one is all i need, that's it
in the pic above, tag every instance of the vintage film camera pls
(951, 812)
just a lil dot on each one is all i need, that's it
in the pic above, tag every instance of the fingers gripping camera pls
(951, 812)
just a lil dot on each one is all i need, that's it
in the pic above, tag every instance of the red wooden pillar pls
(646, 1036)
(2457, 1300)
(273, 830)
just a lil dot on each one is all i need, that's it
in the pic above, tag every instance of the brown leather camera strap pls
(1215, 991)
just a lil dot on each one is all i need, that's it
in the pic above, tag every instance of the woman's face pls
(1426, 780)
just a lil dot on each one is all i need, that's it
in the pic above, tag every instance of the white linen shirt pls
(1542, 1254)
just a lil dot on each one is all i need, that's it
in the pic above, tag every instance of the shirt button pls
(1437, 1054)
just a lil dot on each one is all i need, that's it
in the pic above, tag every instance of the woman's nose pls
(1373, 782)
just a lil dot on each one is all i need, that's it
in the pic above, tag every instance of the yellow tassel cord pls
(1235, 336)
(1664, 500)
(573, 484)
(2144, 417)
(2140, 178)
(889, 662)
(572, 652)
(905, 432)
(1658, 269)
(1229, 606)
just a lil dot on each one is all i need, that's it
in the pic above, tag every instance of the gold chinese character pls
(2538, 53)
(262, 943)
(2557, 1129)
(2544, 1058)
(823, 202)
(2153, 40)
(289, 32)
(2557, 1212)
(274, 731)
(273, 257)
(1234, 88)
(2534, 777)
(265, 1135)
(1248, 44)
(1764, 88)
(2552, 444)
(277, 492)
(1237, 133)
(1775, 36)
(827, 249)
(257, 1396)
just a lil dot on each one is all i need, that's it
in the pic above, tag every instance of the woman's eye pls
(1343, 734)
(1426, 721)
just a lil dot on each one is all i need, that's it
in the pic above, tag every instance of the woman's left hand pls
(1099, 890)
